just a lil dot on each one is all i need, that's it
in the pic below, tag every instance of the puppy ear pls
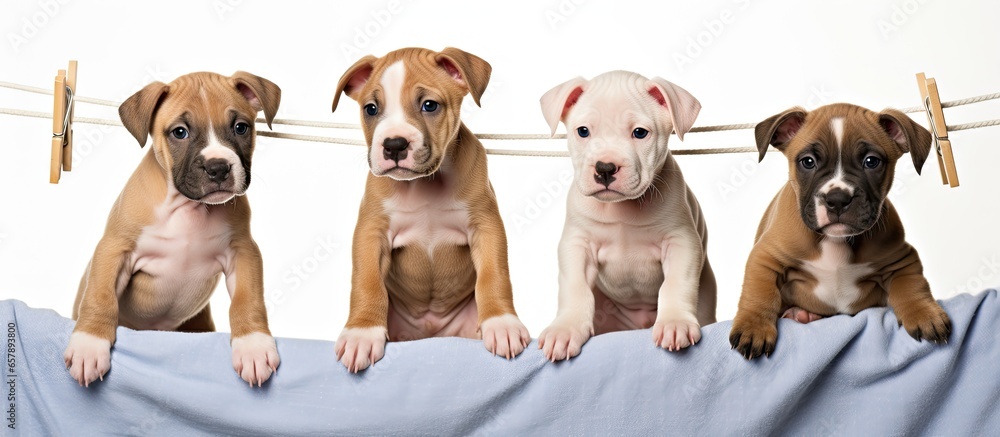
(467, 69)
(136, 112)
(681, 105)
(777, 130)
(910, 136)
(557, 102)
(354, 79)
(262, 94)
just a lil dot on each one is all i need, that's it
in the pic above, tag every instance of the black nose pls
(605, 173)
(217, 169)
(394, 148)
(837, 201)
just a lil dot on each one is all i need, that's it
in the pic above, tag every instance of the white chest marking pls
(416, 220)
(186, 245)
(629, 254)
(836, 276)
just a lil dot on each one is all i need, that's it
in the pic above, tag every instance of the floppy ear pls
(910, 136)
(467, 69)
(354, 79)
(557, 102)
(778, 129)
(136, 112)
(681, 105)
(262, 94)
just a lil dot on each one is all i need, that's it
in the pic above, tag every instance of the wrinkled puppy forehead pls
(420, 68)
(206, 98)
(624, 85)
(614, 95)
(854, 124)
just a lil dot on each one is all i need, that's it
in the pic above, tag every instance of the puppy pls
(181, 221)
(632, 253)
(430, 252)
(831, 242)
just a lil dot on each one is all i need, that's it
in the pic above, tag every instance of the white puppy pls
(632, 253)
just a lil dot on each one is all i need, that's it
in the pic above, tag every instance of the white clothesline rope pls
(484, 136)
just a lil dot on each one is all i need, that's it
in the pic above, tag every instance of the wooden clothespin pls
(62, 122)
(939, 130)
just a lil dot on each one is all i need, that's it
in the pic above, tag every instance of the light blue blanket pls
(844, 375)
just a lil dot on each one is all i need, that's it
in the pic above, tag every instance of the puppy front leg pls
(755, 329)
(676, 325)
(574, 322)
(88, 355)
(362, 342)
(255, 354)
(503, 333)
(917, 311)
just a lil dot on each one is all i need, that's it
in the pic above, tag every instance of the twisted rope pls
(483, 136)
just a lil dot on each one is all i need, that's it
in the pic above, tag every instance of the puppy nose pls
(394, 148)
(605, 173)
(217, 169)
(837, 201)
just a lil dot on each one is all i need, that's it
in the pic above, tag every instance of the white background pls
(763, 58)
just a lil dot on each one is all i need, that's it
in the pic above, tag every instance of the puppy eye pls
(371, 109)
(583, 132)
(241, 128)
(429, 106)
(872, 162)
(808, 162)
(179, 132)
(640, 133)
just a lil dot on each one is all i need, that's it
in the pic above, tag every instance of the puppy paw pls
(358, 348)
(255, 357)
(87, 357)
(928, 322)
(676, 334)
(753, 338)
(563, 340)
(504, 335)
(800, 315)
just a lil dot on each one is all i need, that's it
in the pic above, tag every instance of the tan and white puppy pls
(181, 221)
(632, 253)
(831, 242)
(430, 252)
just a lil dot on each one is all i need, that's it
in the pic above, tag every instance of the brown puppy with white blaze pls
(831, 242)
(181, 221)
(430, 251)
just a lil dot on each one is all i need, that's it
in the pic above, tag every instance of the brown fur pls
(98, 309)
(406, 278)
(774, 280)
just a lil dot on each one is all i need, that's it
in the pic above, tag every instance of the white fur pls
(837, 181)
(822, 219)
(393, 123)
(88, 357)
(504, 335)
(358, 348)
(185, 246)
(639, 258)
(214, 150)
(611, 108)
(416, 219)
(836, 276)
(255, 357)
(837, 126)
